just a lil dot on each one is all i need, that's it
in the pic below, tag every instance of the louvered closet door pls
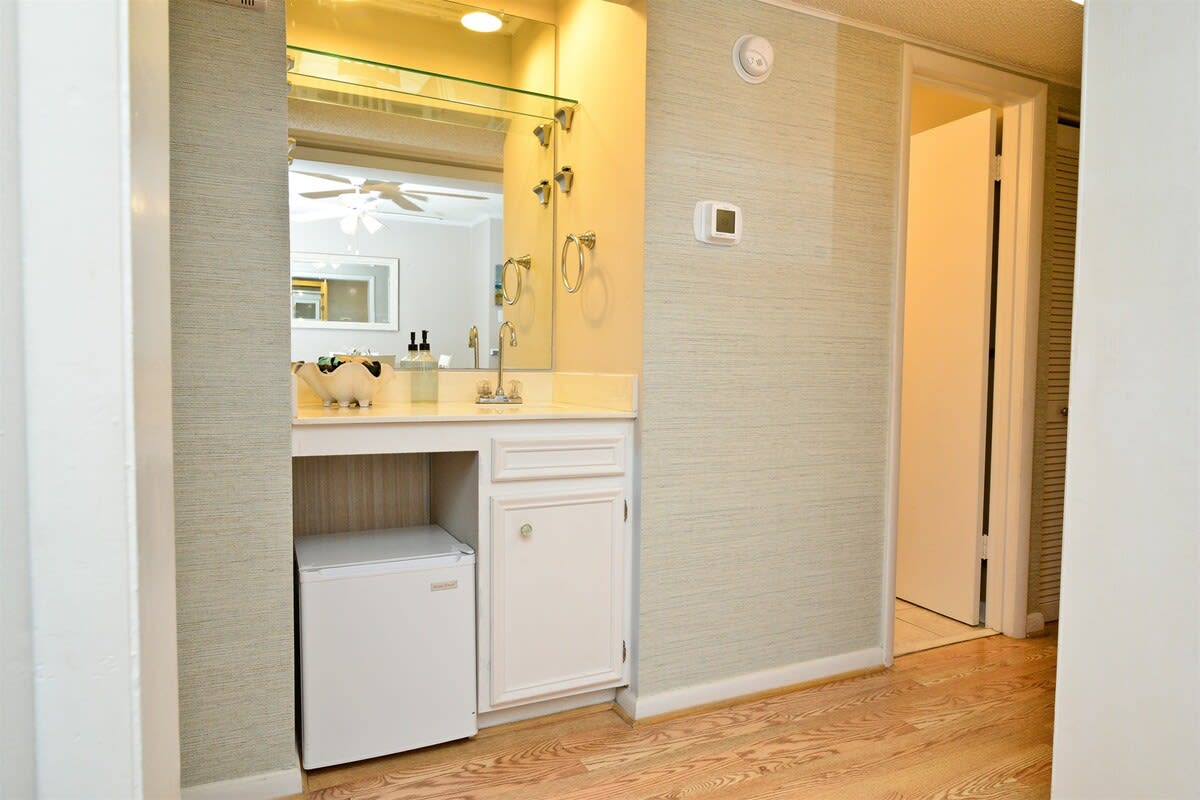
(1057, 367)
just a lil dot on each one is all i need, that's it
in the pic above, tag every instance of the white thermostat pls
(717, 223)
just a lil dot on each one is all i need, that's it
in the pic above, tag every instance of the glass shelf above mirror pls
(358, 83)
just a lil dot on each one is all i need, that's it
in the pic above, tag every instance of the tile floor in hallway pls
(919, 629)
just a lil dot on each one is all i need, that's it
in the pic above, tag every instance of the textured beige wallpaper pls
(765, 407)
(229, 289)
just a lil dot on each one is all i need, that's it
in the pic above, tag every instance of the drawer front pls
(523, 459)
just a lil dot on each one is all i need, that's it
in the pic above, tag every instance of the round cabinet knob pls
(527, 530)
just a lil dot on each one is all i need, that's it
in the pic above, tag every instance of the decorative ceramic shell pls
(349, 383)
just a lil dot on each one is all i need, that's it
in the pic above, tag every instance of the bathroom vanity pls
(542, 492)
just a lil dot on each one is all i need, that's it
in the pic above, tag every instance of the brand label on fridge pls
(443, 586)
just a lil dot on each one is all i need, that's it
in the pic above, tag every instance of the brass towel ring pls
(581, 241)
(518, 263)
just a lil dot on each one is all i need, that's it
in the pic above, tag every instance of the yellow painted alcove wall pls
(602, 63)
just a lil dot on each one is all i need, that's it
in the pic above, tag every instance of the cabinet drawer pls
(557, 457)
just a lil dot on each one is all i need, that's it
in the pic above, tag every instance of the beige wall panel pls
(767, 365)
(229, 278)
(599, 328)
(334, 494)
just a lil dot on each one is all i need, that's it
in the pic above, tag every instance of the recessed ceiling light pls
(481, 22)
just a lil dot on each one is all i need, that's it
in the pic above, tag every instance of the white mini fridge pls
(387, 642)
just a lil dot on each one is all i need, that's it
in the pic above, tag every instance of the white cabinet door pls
(558, 587)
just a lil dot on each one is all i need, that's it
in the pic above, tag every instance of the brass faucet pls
(473, 343)
(501, 397)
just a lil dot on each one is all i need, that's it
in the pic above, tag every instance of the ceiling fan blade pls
(324, 176)
(327, 193)
(442, 194)
(406, 204)
(371, 224)
(349, 224)
(399, 198)
(380, 186)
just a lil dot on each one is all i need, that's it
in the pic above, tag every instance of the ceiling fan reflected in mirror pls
(354, 208)
(407, 199)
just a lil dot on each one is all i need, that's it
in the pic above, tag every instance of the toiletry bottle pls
(425, 374)
(410, 360)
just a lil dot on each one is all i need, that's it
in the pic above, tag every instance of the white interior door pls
(944, 378)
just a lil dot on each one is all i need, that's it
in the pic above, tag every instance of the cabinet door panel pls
(558, 583)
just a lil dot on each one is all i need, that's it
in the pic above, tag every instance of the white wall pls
(98, 402)
(445, 285)
(1127, 718)
(16, 649)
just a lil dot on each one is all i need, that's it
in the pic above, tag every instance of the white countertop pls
(451, 412)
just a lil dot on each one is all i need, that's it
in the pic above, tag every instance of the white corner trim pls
(752, 683)
(264, 786)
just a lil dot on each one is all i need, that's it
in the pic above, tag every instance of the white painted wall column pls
(1127, 715)
(91, 117)
(16, 649)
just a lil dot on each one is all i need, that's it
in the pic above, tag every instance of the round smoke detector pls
(753, 58)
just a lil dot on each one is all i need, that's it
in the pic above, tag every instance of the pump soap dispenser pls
(410, 360)
(425, 374)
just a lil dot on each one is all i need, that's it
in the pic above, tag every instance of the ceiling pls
(1042, 37)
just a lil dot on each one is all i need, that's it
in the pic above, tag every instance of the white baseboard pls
(503, 716)
(1034, 623)
(641, 707)
(265, 786)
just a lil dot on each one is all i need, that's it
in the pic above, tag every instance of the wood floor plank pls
(969, 720)
(934, 623)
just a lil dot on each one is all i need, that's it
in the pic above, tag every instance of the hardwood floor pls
(920, 629)
(969, 720)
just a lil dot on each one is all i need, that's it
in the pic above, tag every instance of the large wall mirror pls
(416, 147)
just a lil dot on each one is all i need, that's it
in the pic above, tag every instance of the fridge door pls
(387, 662)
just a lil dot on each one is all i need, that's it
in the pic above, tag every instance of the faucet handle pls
(514, 390)
(483, 389)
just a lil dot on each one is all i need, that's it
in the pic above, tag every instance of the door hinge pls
(627, 511)
(983, 546)
(624, 651)
(997, 163)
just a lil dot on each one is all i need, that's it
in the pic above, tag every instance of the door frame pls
(1019, 238)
